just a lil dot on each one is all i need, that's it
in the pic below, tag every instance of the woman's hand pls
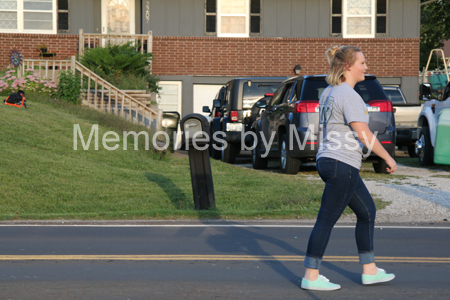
(392, 165)
(371, 142)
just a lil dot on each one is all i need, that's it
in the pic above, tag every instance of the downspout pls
(142, 23)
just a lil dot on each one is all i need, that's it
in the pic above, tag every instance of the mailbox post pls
(194, 127)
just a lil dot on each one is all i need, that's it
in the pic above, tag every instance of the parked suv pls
(292, 116)
(240, 95)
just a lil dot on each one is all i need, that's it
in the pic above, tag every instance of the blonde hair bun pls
(331, 53)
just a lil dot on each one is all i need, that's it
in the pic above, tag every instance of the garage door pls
(169, 98)
(204, 95)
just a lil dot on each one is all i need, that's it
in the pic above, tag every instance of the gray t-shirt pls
(340, 105)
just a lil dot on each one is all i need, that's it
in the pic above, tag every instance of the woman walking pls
(343, 130)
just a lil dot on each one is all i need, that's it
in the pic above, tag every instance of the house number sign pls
(147, 11)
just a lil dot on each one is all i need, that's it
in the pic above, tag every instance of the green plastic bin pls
(442, 144)
(438, 81)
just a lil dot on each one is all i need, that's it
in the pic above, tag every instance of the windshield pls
(394, 96)
(312, 89)
(256, 91)
(368, 89)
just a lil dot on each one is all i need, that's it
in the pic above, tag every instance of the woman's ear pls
(347, 67)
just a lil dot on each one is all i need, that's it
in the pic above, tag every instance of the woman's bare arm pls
(371, 142)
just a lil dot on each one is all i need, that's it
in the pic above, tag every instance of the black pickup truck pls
(291, 121)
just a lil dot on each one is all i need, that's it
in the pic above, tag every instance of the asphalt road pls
(184, 260)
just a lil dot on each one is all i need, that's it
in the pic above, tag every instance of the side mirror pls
(261, 103)
(216, 103)
(206, 109)
(424, 92)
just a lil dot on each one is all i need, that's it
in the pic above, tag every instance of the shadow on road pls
(251, 245)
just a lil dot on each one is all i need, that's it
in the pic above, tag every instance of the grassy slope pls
(42, 177)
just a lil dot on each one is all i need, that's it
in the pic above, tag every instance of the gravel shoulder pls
(421, 196)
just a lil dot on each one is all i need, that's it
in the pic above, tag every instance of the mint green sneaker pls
(381, 276)
(320, 284)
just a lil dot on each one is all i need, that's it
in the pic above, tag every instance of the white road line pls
(207, 226)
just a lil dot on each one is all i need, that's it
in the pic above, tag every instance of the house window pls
(255, 17)
(211, 16)
(382, 17)
(233, 18)
(358, 18)
(63, 15)
(336, 17)
(28, 16)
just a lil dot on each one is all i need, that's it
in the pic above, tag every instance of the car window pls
(395, 96)
(227, 94)
(312, 89)
(287, 93)
(255, 91)
(369, 90)
(221, 94)
(276, 99)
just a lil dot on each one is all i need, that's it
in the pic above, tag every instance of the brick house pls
(198, 45)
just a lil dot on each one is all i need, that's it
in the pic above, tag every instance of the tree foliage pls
(434, 30)
(114, 63)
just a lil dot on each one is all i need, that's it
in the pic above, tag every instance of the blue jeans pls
(343, 187)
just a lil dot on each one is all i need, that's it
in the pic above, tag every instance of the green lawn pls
(43, 177)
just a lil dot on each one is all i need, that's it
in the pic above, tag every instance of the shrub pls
(69, 87)
(122, 66)
(30, 82)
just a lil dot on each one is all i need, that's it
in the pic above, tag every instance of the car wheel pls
(258, 162)
(289, 165)
(216, 154)
(412, 151)
(380, 166)
(229, 153)
(424, 149)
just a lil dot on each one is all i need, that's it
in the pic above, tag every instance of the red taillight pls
(383, 105)
(386, 142)
(268, 95)
(217, 115)
(307, 106)
(234, 116)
